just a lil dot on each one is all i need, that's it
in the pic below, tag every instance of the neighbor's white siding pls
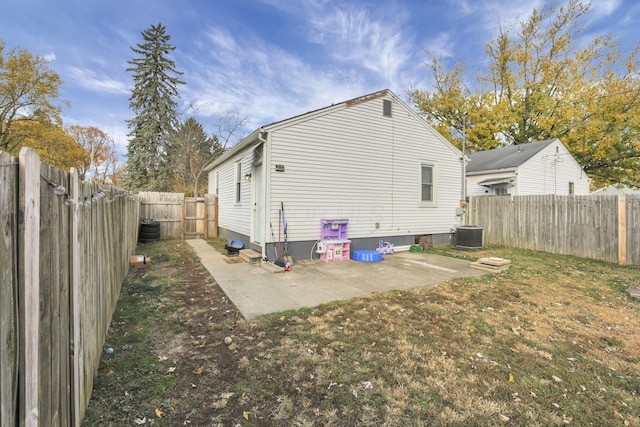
(550, 171)
(355, 163)
(474, 189)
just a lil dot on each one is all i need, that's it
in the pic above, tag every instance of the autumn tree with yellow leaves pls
(540, 84)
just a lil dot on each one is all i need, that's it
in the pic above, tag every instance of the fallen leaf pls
(556, 379)
(533, 394)
(159, 413)
(171, 369)
(199, 371)
(141, 421)
(226, 395)
(187, 314)
(246, 414)
(556, 405)
(367, 385)
(503, 418)
(162, 358)
(511, 379)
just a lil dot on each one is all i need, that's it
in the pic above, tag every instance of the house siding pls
(355, 163)
(550, 173)
(474, 189)
(231, 215)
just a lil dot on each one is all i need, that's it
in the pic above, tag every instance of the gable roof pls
(505, 158)
(255, 137)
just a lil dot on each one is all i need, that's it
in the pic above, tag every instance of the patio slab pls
(256, 291)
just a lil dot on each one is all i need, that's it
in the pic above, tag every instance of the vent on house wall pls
(386, 108)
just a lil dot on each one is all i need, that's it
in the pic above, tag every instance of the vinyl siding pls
(550, 173)
(231, 215)
(355, 163)
(473, 189)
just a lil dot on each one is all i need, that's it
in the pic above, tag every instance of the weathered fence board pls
(8, 289)
(167, 209)
(29, 287)
(180, 217)
(211, 206)
(66, 245)
(585, 226)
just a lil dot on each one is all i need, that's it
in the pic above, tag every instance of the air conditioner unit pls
(469, 237)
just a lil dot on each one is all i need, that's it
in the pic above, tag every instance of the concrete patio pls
(256, 291)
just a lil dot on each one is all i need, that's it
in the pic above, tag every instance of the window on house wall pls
(216, 183)
(571, 188)
(427, 184)
(238, 181)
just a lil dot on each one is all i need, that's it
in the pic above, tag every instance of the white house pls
(544, 167)
(617, 190)
(371, 160)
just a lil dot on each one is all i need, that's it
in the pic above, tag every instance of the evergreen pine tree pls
(191, 150)
(153, 102)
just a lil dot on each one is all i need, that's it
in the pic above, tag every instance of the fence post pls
(622, 229)
(74, 247)
(8, 290)
(182, 214)
(29, 278)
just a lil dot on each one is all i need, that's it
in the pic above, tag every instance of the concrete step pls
(271, 267)
(251, 256)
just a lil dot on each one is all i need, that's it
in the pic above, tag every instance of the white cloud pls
(603, 8)
(50, 57)
(89, 80)
(263, 81)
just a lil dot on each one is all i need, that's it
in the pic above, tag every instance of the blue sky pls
(267, 59)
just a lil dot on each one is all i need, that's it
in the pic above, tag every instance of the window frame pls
(238, 182)
(434, 184)
(572, 188)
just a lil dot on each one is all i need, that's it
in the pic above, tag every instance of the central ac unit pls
(469, 237)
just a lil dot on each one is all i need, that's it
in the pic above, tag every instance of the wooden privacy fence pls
(65, 253)
(606, 228)
(181, 217)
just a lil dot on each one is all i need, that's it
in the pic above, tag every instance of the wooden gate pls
(195, 218)
(181, 217)
(200, 217)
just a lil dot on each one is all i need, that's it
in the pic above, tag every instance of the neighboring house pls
(616, 190)
(544, 167)
(371, 160)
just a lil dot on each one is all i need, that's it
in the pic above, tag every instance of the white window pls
(571, 188)
(427, 184)
(238, 181)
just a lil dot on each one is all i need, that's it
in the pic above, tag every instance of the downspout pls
(266, 182)
(463, 191)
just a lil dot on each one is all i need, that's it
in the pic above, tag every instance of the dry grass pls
(552, 341)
